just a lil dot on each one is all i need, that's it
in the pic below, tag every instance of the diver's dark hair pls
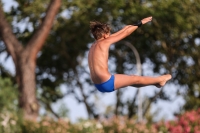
(98, 29)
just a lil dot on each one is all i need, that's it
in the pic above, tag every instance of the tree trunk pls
(24, 58)
(25, 74)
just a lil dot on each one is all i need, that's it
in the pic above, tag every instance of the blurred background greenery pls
(48, 41)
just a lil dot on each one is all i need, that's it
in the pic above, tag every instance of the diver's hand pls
(146, 20)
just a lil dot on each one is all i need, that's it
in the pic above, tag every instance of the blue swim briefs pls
(107, 86)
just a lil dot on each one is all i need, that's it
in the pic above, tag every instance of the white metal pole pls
(139, 70)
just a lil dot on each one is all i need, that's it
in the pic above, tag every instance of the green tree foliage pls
(170, 43)
(178, 25)
(8, 96)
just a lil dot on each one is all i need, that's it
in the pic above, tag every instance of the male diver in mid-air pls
(98, 60)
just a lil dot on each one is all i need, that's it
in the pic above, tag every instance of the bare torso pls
(98, 62)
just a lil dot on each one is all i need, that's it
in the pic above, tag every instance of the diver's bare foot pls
(165, 79)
